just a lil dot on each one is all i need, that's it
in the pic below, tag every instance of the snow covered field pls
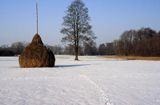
(90, 81)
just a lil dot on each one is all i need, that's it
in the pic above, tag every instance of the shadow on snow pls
(75, 65)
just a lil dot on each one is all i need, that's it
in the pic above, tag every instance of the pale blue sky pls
(109, 18)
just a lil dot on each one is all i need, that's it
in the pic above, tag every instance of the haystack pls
(36, 55)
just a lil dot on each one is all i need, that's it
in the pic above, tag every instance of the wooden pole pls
(37, 14)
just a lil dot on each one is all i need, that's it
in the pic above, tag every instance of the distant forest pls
(142, 42)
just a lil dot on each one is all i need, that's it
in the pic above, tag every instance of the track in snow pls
(104, 98)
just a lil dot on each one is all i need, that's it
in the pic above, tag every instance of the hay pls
(37, 55)
(37, 39)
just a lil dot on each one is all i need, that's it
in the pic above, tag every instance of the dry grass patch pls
(133, 58)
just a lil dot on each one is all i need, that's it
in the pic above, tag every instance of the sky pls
(109, 18)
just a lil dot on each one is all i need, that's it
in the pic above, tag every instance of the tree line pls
(17, 48)
(142, 42)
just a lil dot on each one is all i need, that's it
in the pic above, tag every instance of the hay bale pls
(37, 55)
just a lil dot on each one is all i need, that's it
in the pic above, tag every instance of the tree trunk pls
(76, 50)
(76, 53)
(77, 40)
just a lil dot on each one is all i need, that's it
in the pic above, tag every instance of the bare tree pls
(69, 49)
(102, 49)
(56, 49)
(18, 47)
(90, 48)
(76, 26)
(110, 48)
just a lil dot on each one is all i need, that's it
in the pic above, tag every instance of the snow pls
(90, 81)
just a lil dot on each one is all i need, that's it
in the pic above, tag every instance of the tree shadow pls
(74, 65)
